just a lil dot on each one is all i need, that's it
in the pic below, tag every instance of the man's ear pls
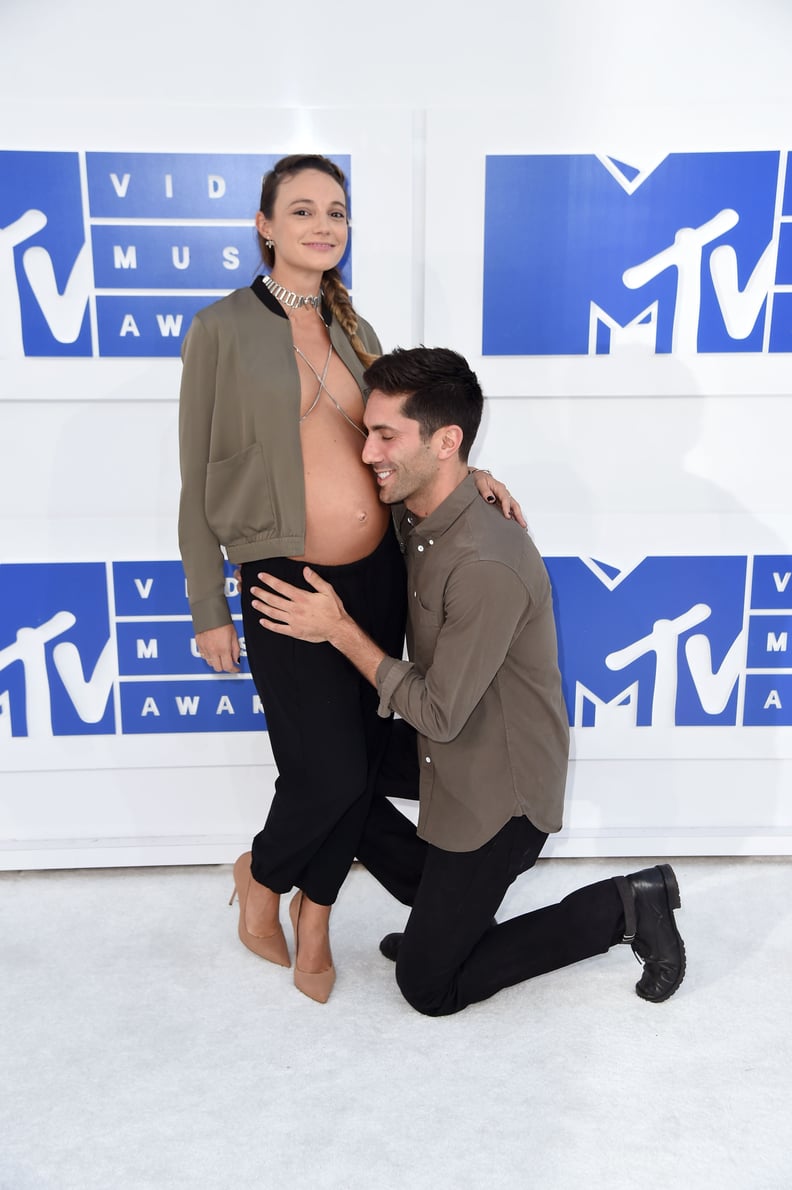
(448, 440)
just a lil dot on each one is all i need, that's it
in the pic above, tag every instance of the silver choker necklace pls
(289, 298)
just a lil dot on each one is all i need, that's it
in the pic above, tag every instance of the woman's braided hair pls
(333, 288)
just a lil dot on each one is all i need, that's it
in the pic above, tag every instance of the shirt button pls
(428, 759)
(420, 549)
(431, 542)
(415, 594)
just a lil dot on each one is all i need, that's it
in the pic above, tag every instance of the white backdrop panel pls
(696, 466)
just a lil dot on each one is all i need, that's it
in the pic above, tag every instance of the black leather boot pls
(389, 946)
(650, 898)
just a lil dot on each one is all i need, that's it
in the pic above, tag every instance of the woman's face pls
(308, 226)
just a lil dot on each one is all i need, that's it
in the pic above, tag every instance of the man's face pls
(403, 465)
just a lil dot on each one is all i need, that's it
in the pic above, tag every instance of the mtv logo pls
(45, 272)
(57, 662)
(587, 254)
(660, 644)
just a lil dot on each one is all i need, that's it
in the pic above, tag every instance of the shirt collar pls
(446, 514)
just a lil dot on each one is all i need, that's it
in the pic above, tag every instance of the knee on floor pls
(421, 994)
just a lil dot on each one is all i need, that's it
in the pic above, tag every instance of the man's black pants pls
(451, 955)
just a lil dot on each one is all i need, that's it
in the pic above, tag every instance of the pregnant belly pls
(344, 519)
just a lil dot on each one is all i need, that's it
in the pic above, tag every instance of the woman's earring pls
(269, 244)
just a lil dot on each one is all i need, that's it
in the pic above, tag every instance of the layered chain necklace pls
(324, 389)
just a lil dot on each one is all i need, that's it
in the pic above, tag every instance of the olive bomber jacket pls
(243, 490)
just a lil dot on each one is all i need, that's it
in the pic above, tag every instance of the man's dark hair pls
(440, 389)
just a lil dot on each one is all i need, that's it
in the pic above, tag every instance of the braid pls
(339, 302)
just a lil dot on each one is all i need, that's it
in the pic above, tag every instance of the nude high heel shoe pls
(316, 985)
(272, 947)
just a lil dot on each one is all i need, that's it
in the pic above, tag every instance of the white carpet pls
(143, 1046)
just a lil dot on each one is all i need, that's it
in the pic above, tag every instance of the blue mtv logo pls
(586, 254)
(57, 659)
(45, 264)
(122, 272)
(660, 645)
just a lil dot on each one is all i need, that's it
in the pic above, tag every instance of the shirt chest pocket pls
(424, 624)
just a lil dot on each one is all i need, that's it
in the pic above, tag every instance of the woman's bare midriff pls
(345, 520)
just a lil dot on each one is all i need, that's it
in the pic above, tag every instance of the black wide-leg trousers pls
(451, 955)
(327, 738)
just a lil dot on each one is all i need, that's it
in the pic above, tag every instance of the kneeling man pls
(482, 688)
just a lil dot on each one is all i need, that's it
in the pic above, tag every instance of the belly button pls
(362, 516)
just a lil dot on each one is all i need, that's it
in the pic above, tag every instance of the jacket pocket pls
(238, 499)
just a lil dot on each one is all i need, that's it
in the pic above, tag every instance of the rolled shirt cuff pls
(390, 673)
